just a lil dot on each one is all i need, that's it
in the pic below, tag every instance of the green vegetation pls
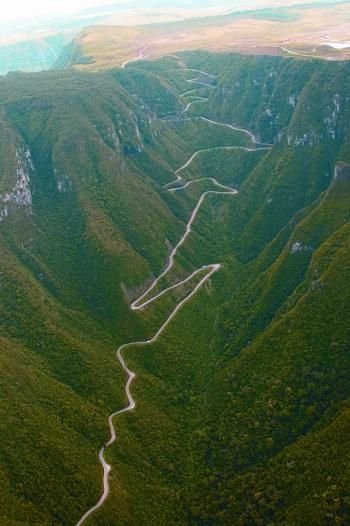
(243, 404)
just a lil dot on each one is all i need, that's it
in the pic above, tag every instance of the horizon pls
(41, 8)
(22, 11)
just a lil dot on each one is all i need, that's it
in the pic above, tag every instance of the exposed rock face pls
(62, 181)
(298, 246)
(20, 195)
(288, 95)
(342, 171)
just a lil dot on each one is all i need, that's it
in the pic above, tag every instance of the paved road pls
(142, 302)
(140, 56)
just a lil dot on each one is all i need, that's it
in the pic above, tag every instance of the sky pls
(23, 9)
(19, 10)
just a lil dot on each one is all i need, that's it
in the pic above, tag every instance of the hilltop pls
(308, 30)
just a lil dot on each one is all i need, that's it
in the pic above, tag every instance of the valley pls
(231, 404)
(139, 304)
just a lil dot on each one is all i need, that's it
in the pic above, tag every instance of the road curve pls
(140, 56)
(307, 55)
(201, 83)
(205, 73)
(187, 92)
(198, 152)
(137, 305)
(141, 302)
(251, 135)
(189, 104)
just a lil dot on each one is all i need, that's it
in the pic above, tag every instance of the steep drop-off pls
(242, 404)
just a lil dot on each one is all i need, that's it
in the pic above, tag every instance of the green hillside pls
(243, 403)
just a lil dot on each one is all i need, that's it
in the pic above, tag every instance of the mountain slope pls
(247, 384)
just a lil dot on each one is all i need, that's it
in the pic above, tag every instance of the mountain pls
(242, 410)
(300, 29)
(106, 36)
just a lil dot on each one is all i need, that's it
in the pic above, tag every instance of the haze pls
(21, 9)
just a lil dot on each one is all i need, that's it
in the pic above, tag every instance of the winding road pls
(306, 55)
(140, 56)
(198, 99)
(141, 302)
(198, 152)
(251, 135)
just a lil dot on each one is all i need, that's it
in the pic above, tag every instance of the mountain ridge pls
(247, 379)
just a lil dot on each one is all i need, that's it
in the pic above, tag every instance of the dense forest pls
(243, 412)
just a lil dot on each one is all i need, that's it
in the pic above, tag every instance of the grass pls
(262, 31)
